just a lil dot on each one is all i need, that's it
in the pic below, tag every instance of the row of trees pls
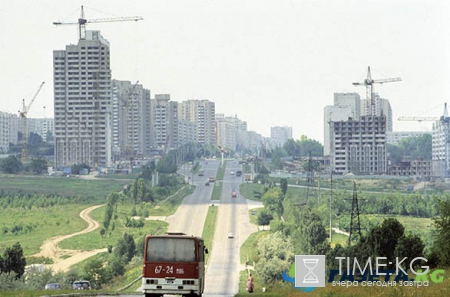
(299, 229)
(99, 271)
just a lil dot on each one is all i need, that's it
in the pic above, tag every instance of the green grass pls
(254, 217)
(338, 239)
(217, 190)
(248, 190)
(249, 253)
(98, 189)
(170, 206)
(221, 171)
(209, 227)
(133, 272)
(46, 223)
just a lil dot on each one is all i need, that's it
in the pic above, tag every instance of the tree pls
(307, 145)
(273, 201)
(11, 165)
(276, 254)
(264, 217)
(442, 224)
(284, 185)
(382, 240)
(410, 246)
(38, 165)
(125, 248)
(310, 236)
(13, 260)
(292, 148)
(76, 168)
(411, 148)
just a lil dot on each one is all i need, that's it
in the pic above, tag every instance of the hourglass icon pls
(310, 277)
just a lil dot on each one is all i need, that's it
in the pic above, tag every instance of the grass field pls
(97, 189)
(217, 190)
(42, 223)
(209, 228)
(170, 205)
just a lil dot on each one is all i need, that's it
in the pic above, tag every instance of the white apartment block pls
(202, 114)
(186, 132)
(440, 153)
(130, 120)
(83, 102)
(227, 130)
(382, 108)
(9, 129)
(164, 122)
(41, 127)
(279, 135)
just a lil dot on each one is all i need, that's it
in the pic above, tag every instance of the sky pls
(270, 63)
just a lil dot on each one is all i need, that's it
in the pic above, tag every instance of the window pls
(171, 249)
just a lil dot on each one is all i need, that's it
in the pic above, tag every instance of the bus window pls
(171, 250)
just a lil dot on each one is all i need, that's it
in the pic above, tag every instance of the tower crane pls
(368, 83)
(421, 119)
(82, 21)
(23, 115)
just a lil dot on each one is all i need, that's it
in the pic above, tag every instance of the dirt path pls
(64, 259)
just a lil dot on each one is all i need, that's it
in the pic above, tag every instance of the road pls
(191, 214)
(222, 274)
(64, 259)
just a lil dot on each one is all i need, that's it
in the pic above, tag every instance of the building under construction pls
(358, 146)
(82, 92)
(440, 146)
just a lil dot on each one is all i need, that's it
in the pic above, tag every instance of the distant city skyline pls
(270, 63)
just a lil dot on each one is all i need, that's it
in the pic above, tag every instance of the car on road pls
(230, 235)
(53, 286)
(81, 285)
(207, 183)
(232, 172)
(233, 194)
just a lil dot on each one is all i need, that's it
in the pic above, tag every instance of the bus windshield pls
(170, 250)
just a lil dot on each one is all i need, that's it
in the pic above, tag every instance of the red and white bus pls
(173, 264)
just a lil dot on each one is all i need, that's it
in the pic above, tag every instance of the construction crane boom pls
(82, 21)
(25, 108)
(419, 119)
(23, 115)
(368, 83)
(431, 119)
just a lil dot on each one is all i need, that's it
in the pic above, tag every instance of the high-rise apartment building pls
(83, 102)
(202, 114)
(164, 122)
(279, 135)
(9, 129)
(440, 151)
(130, 120)
(346, 106)
(42, 127)
(382, 107)
(226, 128)
(358, 146)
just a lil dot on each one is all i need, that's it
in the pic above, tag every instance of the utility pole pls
(354, 216)
(331, 194)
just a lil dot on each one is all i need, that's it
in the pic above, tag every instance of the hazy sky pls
(271, 63)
